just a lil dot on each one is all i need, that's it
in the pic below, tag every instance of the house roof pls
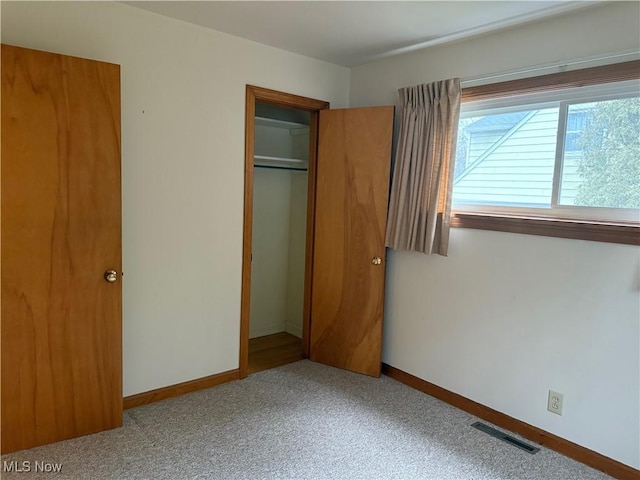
(509, 126)
(502, 121)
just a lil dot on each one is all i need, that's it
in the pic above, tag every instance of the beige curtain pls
(420, 205)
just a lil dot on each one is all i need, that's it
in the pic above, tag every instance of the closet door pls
(354, 155)
(61, 307)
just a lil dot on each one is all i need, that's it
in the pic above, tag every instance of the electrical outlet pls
(554, 403)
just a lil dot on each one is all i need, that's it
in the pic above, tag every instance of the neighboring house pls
(508, 159)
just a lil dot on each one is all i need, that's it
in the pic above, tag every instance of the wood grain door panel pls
(354, 154)
(61, 321)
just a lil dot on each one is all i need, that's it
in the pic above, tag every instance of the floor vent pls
(505, 438)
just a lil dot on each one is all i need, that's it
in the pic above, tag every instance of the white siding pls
(479, 142)
(518, 171)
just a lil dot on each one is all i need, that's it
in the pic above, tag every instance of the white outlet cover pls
(554, 402)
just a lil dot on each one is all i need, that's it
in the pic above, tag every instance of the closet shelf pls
(272, 122)
(265, 158)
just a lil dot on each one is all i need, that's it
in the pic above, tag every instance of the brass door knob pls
(111, 276)
(376, 261)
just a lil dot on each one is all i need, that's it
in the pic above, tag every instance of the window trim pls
(627, 234)
(531, 224)
(617, 72)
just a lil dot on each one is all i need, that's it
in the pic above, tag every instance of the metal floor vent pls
(505, 438)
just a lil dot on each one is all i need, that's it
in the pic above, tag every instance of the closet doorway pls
(347, 192)
(280, 162)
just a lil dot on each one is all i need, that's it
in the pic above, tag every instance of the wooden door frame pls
(258, 94)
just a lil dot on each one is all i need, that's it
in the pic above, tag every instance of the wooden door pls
(61, 332)
(352, 192)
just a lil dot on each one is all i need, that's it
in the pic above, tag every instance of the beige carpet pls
(299, 421)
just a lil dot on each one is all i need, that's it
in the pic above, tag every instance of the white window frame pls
(543, 221)
(561, 99)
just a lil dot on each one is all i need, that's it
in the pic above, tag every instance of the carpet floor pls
(298, 421)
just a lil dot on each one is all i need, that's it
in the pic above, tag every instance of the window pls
(575, 128)
(552, 151)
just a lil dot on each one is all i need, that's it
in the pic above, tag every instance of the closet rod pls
(280, 168)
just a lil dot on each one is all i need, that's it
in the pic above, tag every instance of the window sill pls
(624, 233)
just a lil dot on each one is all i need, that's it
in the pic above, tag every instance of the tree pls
(610, 164)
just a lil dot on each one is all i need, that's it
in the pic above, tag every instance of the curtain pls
(420, 204)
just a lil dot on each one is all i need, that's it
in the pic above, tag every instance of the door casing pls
(257, 94)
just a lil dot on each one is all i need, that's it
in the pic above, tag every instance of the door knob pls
(111, 276)
(376, 261)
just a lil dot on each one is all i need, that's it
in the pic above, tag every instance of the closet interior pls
(280, 186)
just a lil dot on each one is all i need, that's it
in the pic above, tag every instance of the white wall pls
(297, 251)
(270, 235)
(270, 242)
(277, 269)
(279, 232)
(507, 317)
(183, 98)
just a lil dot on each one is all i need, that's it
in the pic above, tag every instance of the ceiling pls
(351, 33)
